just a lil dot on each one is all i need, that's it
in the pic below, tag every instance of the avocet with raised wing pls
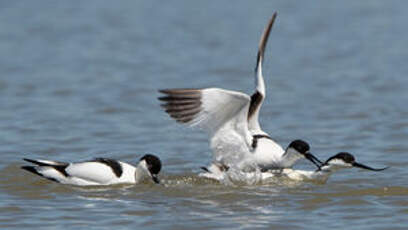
(231, 120)
(99, 171)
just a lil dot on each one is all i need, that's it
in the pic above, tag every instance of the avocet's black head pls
(153, 164)
(300, 146)
(345, 159)
(303, 148)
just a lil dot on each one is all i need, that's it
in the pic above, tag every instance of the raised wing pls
(208, 109)
(222, 113)
(258, 97)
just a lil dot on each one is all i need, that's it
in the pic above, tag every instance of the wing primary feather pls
(33, 170)
(182, 104)
(178, 91)
(44, 163)
(264, 40)
(59, 166)
(178, 102)
(180, 107)
(182, 113)
(184, 94)
(35, 162)
(172, 97)
(185, 119)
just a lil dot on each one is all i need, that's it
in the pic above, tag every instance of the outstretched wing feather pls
(207, 108)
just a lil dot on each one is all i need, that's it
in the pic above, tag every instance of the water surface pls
(79, 80)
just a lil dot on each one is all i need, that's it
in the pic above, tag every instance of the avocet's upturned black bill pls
(231, 120)
(99, 171)
(345, 159)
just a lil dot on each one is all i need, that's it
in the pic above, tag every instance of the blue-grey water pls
(79, 79)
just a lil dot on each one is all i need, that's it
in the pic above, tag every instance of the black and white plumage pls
(342, 160)
(99, 171)
(231, 120)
